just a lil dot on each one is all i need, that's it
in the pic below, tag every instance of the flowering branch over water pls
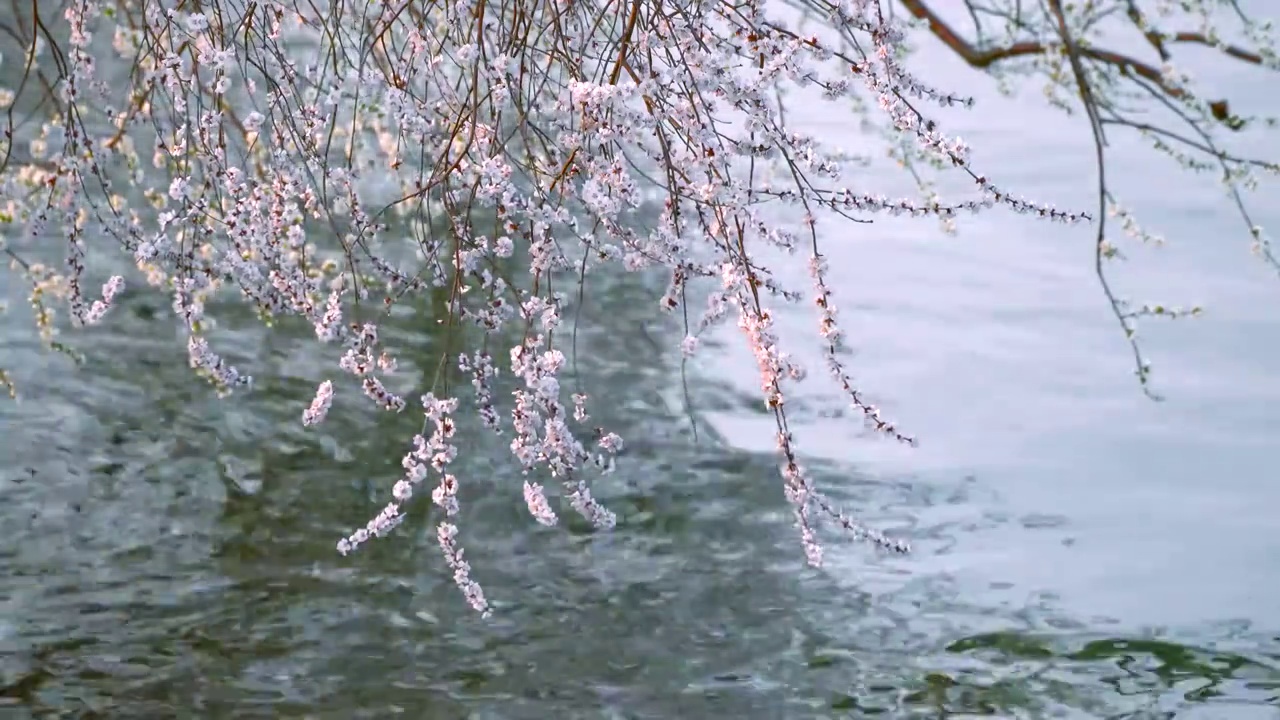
(332, 162)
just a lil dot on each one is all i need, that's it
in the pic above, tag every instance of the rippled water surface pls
(1080, 550)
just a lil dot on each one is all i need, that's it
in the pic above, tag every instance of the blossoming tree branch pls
(230, 149)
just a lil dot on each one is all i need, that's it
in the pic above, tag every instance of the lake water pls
(1080, 551)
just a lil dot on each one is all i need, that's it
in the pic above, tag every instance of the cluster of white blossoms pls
(334, 161)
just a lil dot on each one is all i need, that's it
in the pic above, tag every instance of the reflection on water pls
(171, 554)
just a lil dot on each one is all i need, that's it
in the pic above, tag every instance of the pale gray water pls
(998, 350)
(1081, 552)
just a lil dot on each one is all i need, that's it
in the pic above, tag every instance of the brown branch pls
(983, 58)
(1238, 53)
